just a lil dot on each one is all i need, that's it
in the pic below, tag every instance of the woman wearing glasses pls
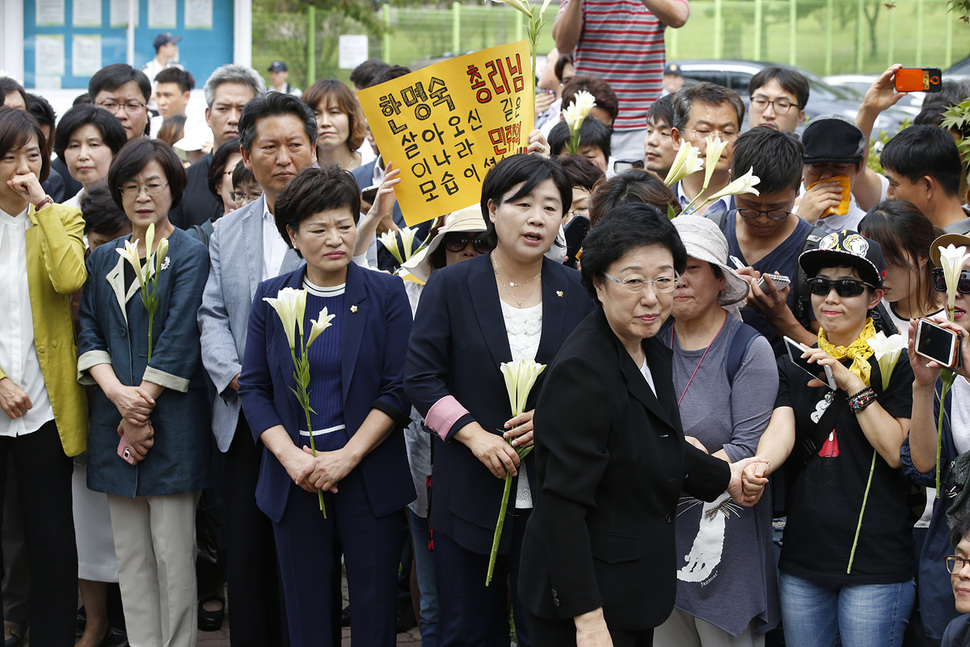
(598, 557)
(958, 631)
(149, 437)
(846, 568)
(507, 305)
(936, 607)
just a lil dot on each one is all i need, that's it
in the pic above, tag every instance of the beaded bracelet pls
(862, 399)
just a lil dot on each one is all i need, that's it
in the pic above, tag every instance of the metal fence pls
(824, 36)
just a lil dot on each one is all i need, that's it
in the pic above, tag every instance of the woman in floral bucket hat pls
(846, 568)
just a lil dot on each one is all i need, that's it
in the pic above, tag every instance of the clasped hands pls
(497, 453)
(135, 405)
(321, 472)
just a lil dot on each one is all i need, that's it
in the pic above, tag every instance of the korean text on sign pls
(446, 125)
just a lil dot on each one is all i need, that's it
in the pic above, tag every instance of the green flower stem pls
(522, 452)
(865, 499)
(302, 375)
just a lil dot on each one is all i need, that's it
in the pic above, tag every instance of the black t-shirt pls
(825, 501)
(198, 205)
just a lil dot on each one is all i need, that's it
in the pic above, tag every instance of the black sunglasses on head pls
(456, 242)
(939, 281)
(843, 287)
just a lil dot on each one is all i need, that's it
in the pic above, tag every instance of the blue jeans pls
(822, 615)
(424, 563)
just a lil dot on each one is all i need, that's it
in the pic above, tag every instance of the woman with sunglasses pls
(846, 567)
(510, 304)
(936, 606)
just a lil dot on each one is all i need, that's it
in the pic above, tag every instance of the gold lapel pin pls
(353, 308)
(558, 293)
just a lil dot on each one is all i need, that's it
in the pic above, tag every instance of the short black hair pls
(112, 132)
(564, 60)
(592, 132)
(790, 80)
(389, 73)
(220, 159)
(581, 171)
(775, 156)
(628, 227)
(529, 171)
(959, 527)
(183, 78)
(9, 86)
(135, 156)
(314, 190)
(602, 93)
(83, 99)
(16, 127)
(274, 104)
(924, 150)
(662, 110)
(101, 214)
(363, 75)
(42, 111)
(710, 94)
(630, 187)
(243, 175)
(111, 77)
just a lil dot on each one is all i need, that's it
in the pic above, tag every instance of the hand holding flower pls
(520, 430)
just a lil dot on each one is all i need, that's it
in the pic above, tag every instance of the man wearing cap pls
(166, 53)
(673, 78)
(622, 42)
(278, 75)
(835, 159)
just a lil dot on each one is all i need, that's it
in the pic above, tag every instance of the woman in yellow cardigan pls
(44, 420)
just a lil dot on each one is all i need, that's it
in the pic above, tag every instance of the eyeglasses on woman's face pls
(939, 281)
(636, 284)
(458, 241)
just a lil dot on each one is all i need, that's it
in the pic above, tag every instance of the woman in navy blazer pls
(509, 304)
(357, 393)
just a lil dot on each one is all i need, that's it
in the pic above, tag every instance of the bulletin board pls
(67, 41)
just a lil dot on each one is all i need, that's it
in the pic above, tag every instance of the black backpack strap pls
(803, 298)
(202, 232)
(719, 218)
(741, 339)
(882, 321)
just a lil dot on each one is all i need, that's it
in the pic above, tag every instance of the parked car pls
(960, 69)
(912, 103)
(823, 98)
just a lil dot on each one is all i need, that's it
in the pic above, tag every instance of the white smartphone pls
(780, 281)
(823, 373)
(938, 344)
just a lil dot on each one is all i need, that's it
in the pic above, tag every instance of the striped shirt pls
(623, 43)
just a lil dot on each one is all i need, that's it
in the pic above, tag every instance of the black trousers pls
(43, 476)
(256, 609)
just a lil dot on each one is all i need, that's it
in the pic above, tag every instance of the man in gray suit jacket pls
(277, 135)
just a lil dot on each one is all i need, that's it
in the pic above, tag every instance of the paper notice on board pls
(85, 55)
(50, 13)
(161, 14)
(446, 125)
(86, 13)
(198, 14)
(352, 51)
(119, 13)
(49, 55)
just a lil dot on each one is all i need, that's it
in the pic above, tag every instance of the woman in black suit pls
(598, 554)
(509, 304)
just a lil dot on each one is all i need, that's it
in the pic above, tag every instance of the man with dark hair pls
(43, 112)
(778, 98)
(835, 155)
(14, 95)
(923, 166)
(767, 237)
(594, 141)
(227, 91)
(658, 146)
(278, 138)
(173, 88)
(957, 633)
(702, 111)
(364, 75)
(124, 92)
(607, 107)
(624, 44)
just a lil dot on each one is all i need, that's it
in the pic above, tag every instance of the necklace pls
(507, 288)
(510, 282)
(703, 355)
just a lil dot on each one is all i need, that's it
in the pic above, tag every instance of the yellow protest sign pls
(447, 124)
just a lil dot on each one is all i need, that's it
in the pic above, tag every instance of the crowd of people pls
(212, 359)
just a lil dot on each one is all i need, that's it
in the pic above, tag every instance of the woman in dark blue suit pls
(507, 305)
(357, 395)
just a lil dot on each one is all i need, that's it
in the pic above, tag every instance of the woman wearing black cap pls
(846, 568)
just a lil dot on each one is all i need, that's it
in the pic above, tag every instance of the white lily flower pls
(585, 102)
(290, 305)
(715, 147)
(130, 254)
(887, 351)
(520, 377)
(150, 243)
(572, 116)
(744, 184)
(407, 240)
(389, 240)
(318, 325)
(160, 256)
(952, 259)
(687, 161)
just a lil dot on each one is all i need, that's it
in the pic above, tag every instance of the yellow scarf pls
(858, 351)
